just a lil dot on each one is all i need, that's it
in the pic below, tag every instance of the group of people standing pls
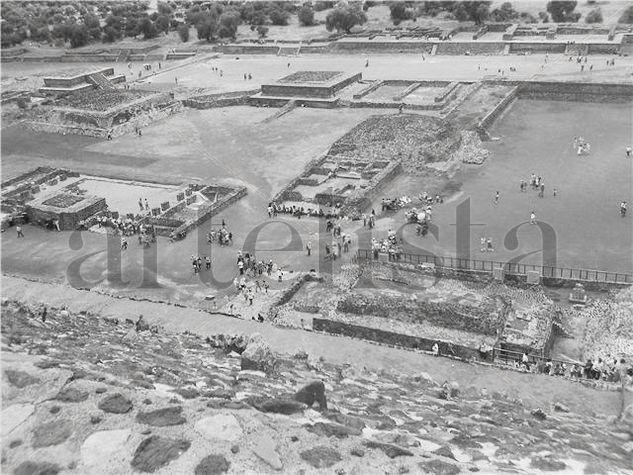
(536, 183)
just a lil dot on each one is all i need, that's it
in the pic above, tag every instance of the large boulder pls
(392, 451)
(52, 433)
(37, 468)
(72, 395)
(219, 427)
(168, 416)
(98, 449)
(258, 356)
(329, 429)
(115, 404)
(213, 464)
(20, 379)
(264, 447)
(439, 467)
(155, 452)
(280, 406)
(321, 456)
(311, 393)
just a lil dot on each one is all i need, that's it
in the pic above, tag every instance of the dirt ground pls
(536, 137)
(236, 146)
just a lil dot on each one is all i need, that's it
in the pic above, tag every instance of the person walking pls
(532, 217)
(497, 196)
(309, 247)
(19, 230)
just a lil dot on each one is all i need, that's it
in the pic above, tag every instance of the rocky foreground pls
(83, 394)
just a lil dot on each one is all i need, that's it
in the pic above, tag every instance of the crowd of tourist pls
(390, 245)
(331, 211)
(222, 236)
(610, 370)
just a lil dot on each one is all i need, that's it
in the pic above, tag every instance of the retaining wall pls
(581, 92)
(537, 47)
(372, 87)
(381, 47)
(491, 116)
(219, 100)
(395, 339)
(206, 211)
(474, 48)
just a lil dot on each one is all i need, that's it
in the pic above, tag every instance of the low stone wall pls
(381, 47)
(478, 48)
(68, 221)
(205, 212)
(321, 49)
(372, 87)
(491, 116)
(395, 339)
(486, 276)
(377, 183)
(220, 100)
(246, 49)
(32, 59)
(582, 92)
(448, 90)
(407, 91)
(89, 58)
(537, 47)
(287, 193)
(480, 32)
(485, 320)
(603, 48)
(88, 127)
(287, 295)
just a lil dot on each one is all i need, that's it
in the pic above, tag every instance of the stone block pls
(533, 277)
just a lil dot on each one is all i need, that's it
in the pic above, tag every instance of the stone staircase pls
(101, 82)
(123, 55)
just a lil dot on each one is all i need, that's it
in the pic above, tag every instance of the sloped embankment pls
(82, 394)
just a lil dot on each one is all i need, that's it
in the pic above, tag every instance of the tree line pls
(86, 21)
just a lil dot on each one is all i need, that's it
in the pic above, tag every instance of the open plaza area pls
(424, 226)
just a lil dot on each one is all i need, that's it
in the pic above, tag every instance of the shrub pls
(399, 11)
(183, 32)
(562, 11)
(306, 15)
(594, 16)
(627, 16)
(228, 24)
(345, 18)
(320, 6)
(262, 31)
(279, 17)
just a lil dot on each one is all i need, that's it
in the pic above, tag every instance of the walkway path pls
(534, 390)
